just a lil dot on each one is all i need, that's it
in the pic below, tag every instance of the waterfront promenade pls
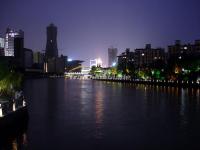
(151, 82)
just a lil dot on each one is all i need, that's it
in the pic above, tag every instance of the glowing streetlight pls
(114, 64)
(1, 113)
(14, 106)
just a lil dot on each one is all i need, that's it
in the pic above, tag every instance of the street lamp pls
(1, 113)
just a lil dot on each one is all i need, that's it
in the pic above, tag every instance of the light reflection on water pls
(19, 142)
(109, 114)
(99, 108)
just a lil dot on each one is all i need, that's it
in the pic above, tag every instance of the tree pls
(9, 80)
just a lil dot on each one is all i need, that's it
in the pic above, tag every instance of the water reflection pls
(183, 113)
(15, 142)
(113, 115)
(99, 108)
(20, 143)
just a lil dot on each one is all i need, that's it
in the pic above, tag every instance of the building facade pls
(9, 48)
(19, 52)
(145, 57)
(112, 56)
(55, 65)
(179, 49)
(38, 57)
(126, 61)
(51, 45)
(140, 59)
(2, 41)
(28, 58)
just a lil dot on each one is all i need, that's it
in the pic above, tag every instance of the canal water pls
(88, 115)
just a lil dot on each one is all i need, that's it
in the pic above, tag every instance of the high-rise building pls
(19, 52)
(179, 49)
(112, 57)
(9, 48)
(28, 58)
(144, 57)
(126, 60)
(51, 45)
(38, 58)
(1, 42)
(55, 65)
(2, 46)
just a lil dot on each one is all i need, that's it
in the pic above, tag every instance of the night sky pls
(86, 28)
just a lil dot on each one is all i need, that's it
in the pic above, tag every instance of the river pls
(85, 114)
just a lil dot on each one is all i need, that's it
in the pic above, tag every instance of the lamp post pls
(14, 106)
(1, 113)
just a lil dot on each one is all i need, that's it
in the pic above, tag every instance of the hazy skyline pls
(87, 28)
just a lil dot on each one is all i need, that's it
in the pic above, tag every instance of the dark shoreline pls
(13, 121)
(13, 128)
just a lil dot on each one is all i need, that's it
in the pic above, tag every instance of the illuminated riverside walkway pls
(151, 82)
(7, 107)
(13, 115)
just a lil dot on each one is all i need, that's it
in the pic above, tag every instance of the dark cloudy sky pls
(86, 28)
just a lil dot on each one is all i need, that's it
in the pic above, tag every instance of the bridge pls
(84, 74)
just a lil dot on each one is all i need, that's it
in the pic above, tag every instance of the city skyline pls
(87, 29)
(99, 74)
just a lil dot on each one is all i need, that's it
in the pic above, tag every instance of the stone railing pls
(7, 107)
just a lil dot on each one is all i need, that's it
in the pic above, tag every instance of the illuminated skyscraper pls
(9, 48)
(112, 57)
(51, 46)
(1, 42)
(2, 46)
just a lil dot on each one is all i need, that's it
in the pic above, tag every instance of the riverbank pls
(13, 113)
(184, 84)
(12, 128)
(14, 120)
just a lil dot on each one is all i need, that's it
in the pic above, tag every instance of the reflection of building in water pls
(19, 143)
(24, 141)
(99, 111)
(99, 108)
(14, 145)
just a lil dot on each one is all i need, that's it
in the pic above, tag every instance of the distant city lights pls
(114, 64)
(69, 59)
(96, 62)
(99, 62)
